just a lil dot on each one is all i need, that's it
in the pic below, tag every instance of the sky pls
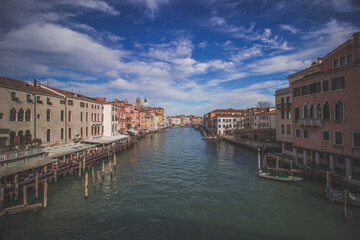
(189, 57)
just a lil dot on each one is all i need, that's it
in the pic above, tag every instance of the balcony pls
(283, 106)
(310, 122)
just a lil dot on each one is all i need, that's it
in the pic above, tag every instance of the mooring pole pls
(258, 158)
(345, 204)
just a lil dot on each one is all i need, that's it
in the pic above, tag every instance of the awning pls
(10, 170)
(133, 132)
(106, 140)
(65, 149)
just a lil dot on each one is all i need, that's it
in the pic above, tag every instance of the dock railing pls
(21, 153)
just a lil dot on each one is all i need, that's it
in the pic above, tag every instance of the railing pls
(310, 122)
(283, 106)
(21, 153)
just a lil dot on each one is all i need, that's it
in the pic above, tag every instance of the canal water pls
(174, 185)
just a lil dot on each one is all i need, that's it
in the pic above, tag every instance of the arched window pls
(21, 137)
(326, 111)
(305, 112)
(12, 139)
(48, 135)
(339, 111)
(21, 115)
(13, 114)
(312, 111)
(318, 111)
(48, 115)
(297, 113)
(62, 115)
(28, 115)
(27, 136)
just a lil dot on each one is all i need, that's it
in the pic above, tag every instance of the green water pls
(176, 186)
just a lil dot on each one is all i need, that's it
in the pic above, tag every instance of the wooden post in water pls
(25, 196)
(330, 190)
(55, 175)
(86, 185)
(345, 204)
(79, 169)
(103, 169)
(99, 178)
(291, 163)
(45, 193)
(258, 159)
(264, 162)
(2, 197)
(37, 186)
(110, 167)
(277, 164)
(114, 160)
(327, 180)
(93, 176)
(84, 163)
(16, 188)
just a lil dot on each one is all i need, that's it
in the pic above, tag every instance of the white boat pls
(279, 177)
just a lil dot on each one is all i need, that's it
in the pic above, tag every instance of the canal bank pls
(177, 186)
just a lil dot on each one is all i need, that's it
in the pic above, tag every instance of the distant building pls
(225, 123)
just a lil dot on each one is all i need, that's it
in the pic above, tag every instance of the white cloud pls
(92, 4)
(217, 21)
(202, 44)
(289, 28)
(152, 6)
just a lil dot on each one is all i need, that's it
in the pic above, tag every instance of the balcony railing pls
(22, 153)
(310, 122)
(283, 106)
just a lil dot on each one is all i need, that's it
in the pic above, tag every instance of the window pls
(335, 63)
(339, 111)
(282, 101)
(21, 115)
(342, 60)
(338, 138)
(288, 114)
(282, 114)
(13, 114)
(305, 90)
(326, 136)
(70, 102)
(87, 105)
(28, 115)
(28, 98)
(69, 133)
(288, 129)
(282, 129)
(38, 100)
(350, 58)
(326, 111)
(297, 113)
(318, 111)
(296, 92)
(87, 131)
(69, 116)
(297, 133)
(306, 134)
(81, 116)
(48, 101)
(338, 83)
(81, 131)
(315, 87)
(87, 115)
(62, 134)
(62, 102)
(325, 85)
(82, 104)
(48, 113)
(48, 135)
(62, 115)
(356, 139)
(312, 111)
(13, 95)
(305, 112)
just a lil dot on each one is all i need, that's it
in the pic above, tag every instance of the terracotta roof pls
(21, 85)
(268, 113)
(226, 115)
(73, 95)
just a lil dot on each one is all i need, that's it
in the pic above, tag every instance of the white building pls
(225, 123)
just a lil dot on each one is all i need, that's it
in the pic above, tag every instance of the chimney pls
(35, 82)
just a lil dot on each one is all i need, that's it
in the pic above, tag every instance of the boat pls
(279, 177)
(338, 197)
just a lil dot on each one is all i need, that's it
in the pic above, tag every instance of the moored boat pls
(279, 177)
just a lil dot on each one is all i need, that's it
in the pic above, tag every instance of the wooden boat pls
(338, 196)
(279, 177)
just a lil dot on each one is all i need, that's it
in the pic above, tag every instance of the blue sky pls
(189, 57)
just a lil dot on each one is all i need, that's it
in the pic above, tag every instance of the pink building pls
(326, 130)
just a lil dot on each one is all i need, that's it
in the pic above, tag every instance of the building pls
(283, 119)
(225, 123)
(326, 130)
(265, 120)
(208, 117)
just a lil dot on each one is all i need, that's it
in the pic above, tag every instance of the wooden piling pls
(37, 186)
(16, 188)
(103, 169)
(291, 163)
(114, 160)
(93, 176)
(2, 197)
(277, 164)
(86, 185)
(345, 204)
(99, 178)
(25, 196)
(79, 169)
(55, 175)
(327, 180)
(84, 163)
(110, 167)
(45, 193)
